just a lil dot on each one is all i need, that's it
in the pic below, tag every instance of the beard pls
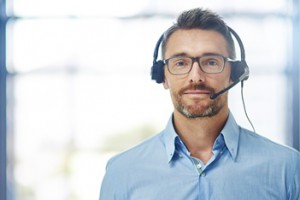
(198, 110)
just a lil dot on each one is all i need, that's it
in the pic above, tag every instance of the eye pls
(180, 62)
(212, 62)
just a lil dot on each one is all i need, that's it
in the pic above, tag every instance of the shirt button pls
(203, 174)
(198, 166)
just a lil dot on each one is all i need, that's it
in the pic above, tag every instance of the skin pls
(197, 124)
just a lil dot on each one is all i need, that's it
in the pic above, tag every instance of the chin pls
(192, 112)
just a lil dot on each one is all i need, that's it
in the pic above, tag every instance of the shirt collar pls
(170, 136)
(230, 133)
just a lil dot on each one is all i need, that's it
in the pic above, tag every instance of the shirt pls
(244, 166)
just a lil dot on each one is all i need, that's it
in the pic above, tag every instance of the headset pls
(239, 68)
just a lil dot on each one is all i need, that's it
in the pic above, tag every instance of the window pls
(79, 89)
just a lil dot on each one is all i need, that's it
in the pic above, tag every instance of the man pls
(202, 153)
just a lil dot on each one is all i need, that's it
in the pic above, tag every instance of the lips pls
(196, 92)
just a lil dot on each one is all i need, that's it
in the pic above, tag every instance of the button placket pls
(197, 165)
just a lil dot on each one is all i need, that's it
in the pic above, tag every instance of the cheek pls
(228, 75)
(173, 84)
(219, 81)
(226, 82)
(173, 87)
(224, 79)
(169, 85)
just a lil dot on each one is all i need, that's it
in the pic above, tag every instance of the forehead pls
(196, 42)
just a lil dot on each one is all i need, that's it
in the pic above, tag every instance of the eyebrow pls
(186, 55)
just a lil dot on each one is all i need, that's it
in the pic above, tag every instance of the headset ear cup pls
(237, 70)
(157, 71)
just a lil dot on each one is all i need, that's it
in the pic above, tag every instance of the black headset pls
(239, 69)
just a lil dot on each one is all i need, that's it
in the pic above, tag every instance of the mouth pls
(197, 92)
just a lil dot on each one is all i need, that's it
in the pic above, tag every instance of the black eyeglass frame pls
(197, 59)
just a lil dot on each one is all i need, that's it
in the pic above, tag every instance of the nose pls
(196, 74)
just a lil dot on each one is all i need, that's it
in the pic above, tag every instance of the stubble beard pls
(209, 111)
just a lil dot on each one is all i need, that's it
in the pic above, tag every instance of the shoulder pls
(139, 153)
(128, 169)
(260, 145)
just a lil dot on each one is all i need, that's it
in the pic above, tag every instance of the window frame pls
(3, 117)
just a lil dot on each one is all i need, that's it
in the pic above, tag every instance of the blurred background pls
(75, 84)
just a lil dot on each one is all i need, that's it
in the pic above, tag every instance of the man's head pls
(200, 41)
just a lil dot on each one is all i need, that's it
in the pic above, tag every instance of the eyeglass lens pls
(208, 64)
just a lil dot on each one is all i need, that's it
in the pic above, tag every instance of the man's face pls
(191, 92)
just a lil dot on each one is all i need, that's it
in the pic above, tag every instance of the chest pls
(223, 179)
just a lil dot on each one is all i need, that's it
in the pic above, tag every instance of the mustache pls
(198, 86)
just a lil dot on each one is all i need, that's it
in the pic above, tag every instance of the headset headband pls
(239, 72)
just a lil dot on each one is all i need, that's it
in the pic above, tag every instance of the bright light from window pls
(111, 8)
(82, 89)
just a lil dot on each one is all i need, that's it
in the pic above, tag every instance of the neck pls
(199, 134)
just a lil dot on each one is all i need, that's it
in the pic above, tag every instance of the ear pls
(165, 83)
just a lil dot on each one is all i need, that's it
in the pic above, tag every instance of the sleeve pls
(112, 187)
(294, 193)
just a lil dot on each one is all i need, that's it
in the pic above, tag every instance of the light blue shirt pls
(244, 166)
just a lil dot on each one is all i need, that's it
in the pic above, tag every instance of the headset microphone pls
(214, 96)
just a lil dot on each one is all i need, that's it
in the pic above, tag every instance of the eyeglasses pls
(210, 64)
